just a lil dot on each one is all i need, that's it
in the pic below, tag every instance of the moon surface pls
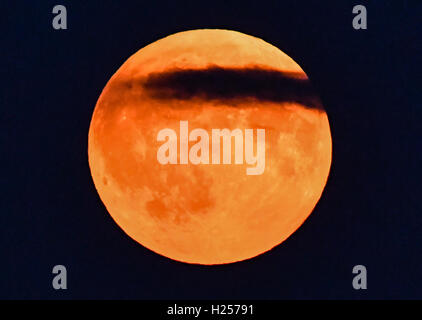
(209, 213)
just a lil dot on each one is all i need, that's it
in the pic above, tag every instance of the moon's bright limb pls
(209, 214)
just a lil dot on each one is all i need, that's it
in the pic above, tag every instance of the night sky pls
(370, 212)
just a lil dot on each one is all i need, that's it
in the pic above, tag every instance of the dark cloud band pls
(216, 83)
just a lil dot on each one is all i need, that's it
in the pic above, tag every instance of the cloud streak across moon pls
(231, 84)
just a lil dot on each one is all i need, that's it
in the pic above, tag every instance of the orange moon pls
(208, 213)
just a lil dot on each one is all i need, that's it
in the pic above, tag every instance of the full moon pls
(209, 213)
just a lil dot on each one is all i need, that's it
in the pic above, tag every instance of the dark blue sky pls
(370, 212)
